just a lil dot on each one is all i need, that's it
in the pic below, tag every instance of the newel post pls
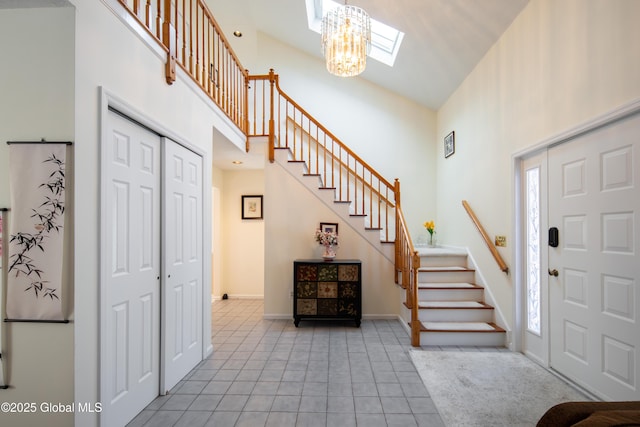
(272, 127)
(169, 40)
(415, 320)
(245, 122)
(397, 248)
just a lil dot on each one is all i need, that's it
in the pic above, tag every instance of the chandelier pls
(346, 40)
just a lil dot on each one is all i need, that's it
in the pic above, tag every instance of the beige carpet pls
(494, 388)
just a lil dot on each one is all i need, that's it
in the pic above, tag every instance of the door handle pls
(553, 272)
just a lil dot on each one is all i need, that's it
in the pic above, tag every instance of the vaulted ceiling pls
(443, 42)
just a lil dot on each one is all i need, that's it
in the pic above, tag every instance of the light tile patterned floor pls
(270, 373)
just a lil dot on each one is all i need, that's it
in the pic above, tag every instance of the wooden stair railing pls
(289, 126)
(359, 180)
(487, 240)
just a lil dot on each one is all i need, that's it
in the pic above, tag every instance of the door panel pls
(594, 199)
(130, 376)
(183, 262)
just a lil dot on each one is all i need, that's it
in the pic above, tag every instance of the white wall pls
(37, 101)
(292, 214)
(558, 65)
(243, 239)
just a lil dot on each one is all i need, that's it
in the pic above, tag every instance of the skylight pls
(385, 40)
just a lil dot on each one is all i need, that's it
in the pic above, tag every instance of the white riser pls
(444, 261)
(463, 339)
(446, 276)
(471, 294)
(456, 315)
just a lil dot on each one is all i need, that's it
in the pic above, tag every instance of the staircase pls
(452, 307)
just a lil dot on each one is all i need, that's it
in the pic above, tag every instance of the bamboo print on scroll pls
(36, 237)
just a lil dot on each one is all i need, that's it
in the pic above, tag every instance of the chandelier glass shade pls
(346, 40)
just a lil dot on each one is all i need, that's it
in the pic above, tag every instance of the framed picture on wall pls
(251, 207)
(449, 144)
(329, 227)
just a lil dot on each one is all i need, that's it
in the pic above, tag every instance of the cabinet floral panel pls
(327, 290)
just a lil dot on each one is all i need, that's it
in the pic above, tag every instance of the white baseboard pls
(278, 317)
(379, 316)
(364, 317)
(404, 324)
(232, 296)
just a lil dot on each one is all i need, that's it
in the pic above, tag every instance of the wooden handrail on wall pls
(485, 237)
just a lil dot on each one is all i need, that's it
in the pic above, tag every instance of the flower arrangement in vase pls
(329, 240)
(430, 226)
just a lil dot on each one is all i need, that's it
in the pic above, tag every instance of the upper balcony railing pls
(194, 42)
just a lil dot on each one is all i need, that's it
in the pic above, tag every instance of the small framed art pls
(449, 144)
(329, 227)
(251, 207)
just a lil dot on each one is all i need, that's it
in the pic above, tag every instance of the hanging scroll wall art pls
(36, 236)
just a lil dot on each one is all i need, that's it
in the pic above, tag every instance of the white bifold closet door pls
(152, 269)
(130, 285)
(182, 243)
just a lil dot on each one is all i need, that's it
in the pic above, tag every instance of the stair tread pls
(446, 285)
(454, 304)
(460, 327)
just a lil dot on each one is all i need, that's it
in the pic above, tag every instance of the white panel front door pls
(594, 200)
(130, 374)
(182, 289)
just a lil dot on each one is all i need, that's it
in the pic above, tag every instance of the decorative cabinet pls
(327, 290)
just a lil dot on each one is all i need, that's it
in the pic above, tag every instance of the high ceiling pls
(443, 42)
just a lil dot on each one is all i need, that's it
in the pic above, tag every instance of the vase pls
(329, 253)
(432, 242)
